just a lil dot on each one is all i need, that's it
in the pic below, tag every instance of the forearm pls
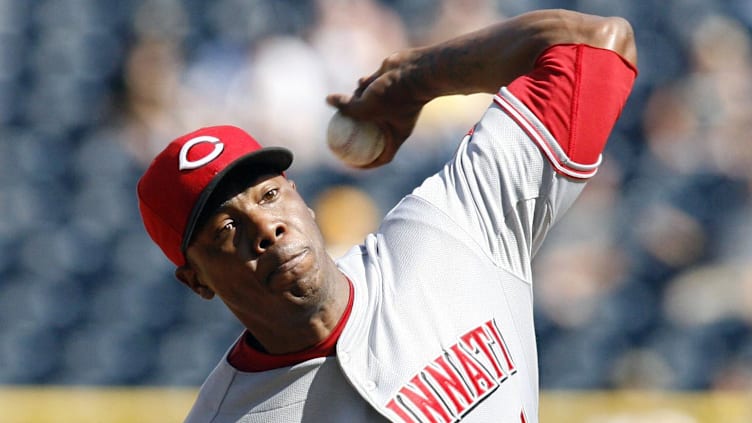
(487, 59)
(481, 61)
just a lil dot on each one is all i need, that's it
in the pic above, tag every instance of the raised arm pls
(481, 61)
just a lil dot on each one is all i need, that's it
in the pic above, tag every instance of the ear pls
(292, 184)
(187, 275)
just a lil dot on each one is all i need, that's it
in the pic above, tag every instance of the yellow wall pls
(646, 407)
(146, 405)
(94, 405)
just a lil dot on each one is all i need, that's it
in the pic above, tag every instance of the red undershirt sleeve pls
(577, 92)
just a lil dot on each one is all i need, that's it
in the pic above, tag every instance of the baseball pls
(354, 142)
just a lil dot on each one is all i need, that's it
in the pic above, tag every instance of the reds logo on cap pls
(192, 164)
(176, 185)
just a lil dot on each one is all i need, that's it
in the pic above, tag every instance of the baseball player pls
(431, 318)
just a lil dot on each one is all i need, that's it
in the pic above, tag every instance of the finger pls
(350, 105)
(364, 82)
(338, 100)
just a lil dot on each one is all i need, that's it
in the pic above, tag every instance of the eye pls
(226, 227)
(270, 195)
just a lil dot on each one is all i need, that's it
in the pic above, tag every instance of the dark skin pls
(261, 251)
(263, 255)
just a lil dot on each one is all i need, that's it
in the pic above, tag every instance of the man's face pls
(261, 253)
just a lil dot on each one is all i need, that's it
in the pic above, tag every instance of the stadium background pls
(645, 288)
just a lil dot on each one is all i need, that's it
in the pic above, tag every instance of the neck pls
(308, 324)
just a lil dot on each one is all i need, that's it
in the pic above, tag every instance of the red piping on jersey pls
(562, 165)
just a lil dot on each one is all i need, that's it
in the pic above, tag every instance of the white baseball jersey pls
(441, 325)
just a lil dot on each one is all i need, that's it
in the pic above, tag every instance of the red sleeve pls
(577, 92)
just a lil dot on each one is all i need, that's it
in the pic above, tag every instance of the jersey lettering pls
(449, 381)
(400, 410)
(481, 340)
(473, 369)
(493, 329)
(460, 378)
(427, 401)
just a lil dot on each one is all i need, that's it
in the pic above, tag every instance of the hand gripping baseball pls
(384, 107)
(357, 143)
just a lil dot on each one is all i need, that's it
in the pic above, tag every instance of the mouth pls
(287, 264)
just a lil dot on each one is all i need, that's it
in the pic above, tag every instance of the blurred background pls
(646, 284)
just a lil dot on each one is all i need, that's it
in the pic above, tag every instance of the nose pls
(269, 231)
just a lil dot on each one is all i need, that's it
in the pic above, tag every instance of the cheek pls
(234, 284)
(220, 273)
(310, 227)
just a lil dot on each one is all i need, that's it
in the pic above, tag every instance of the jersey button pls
(369, 385)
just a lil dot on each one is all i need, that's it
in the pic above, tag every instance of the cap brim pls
(276, 159)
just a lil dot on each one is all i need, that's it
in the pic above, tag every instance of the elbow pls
(612, 33)
(616, 34)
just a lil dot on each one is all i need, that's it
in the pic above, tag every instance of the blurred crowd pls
(646, 283)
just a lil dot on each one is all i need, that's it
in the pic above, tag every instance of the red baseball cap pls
(174, 189)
